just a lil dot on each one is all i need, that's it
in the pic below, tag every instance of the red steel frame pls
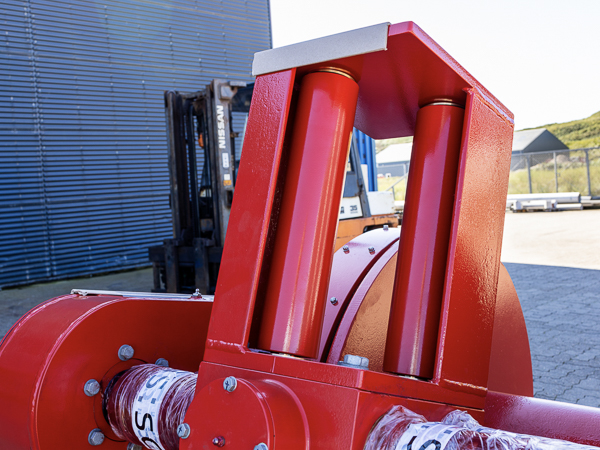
(474, 336)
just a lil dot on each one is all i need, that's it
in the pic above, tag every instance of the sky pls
(540, 58)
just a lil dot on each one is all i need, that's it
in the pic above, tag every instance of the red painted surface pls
(362, 330)
(510, 359)
(296, 402)
(418, 288)
(258, 410)
(336, 417)
(541, 417)
(347, 273)
(299, 269)
(467, 322)
(250, 218)
(51, 352)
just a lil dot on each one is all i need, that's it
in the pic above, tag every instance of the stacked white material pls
(558, 201)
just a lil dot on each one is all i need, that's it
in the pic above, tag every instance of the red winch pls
(408, 338)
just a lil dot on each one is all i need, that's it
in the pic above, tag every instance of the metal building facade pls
(83, 159)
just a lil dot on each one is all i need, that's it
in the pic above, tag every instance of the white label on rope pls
(144, 415)
(427, 436)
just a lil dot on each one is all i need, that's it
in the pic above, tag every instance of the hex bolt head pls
(126, 352)
(229, 384)
(132, 446)
(333, 301)
(219, 441)
(91, 388)
(355, 361)
(371, 250)
(96, 437)
(346, 249)
(162, 362)
(386, 227)
(183, 431)
(261, 446)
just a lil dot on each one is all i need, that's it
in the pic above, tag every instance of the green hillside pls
(578, 133)
(582, 133)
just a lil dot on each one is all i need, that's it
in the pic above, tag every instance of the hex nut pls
(125, 352)
(333, 301)
(261, 446)
(346, 249)
(229, 384)
(371, 250)
(183, 431)
(91, 388)
(355, 361)
(96, 437)
(386, 227)
(162, 362)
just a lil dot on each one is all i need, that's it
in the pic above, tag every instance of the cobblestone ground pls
(562, 310)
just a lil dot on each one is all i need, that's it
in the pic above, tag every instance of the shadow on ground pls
(14, 302)
(561, 306)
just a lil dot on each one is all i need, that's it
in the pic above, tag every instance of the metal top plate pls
(342, 45)
(145, 295)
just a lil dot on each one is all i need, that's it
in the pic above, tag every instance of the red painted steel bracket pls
(49, 355)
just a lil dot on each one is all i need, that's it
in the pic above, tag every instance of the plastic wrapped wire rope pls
(145, 405)
(402, 429)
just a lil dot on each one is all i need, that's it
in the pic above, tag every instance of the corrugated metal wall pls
(83, 160)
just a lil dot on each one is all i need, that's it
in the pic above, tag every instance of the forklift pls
(200, 204)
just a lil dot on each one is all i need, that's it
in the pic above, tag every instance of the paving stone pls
(589, 401)
(561, 307)
(590, 383)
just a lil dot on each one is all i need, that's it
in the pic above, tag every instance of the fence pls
(556, 171)
(575, 170)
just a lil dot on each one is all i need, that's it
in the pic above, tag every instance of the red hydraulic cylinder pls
(423, 249)
(304, 243)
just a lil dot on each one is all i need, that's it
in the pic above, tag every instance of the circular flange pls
(241, 417)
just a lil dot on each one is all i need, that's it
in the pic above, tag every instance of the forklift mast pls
(200, 206)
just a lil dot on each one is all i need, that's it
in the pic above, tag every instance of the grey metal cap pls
(350, 43)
